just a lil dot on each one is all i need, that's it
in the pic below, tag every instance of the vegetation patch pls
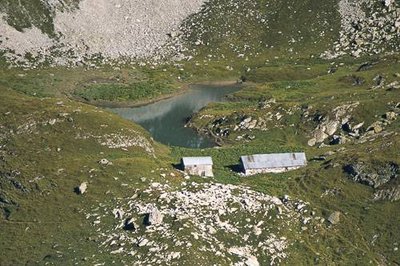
(113, 92)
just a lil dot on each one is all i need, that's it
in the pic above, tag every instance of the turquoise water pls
(166, 119)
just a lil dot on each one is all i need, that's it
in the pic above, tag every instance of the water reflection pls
(165, 119)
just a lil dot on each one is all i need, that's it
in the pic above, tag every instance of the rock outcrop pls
(383, 177)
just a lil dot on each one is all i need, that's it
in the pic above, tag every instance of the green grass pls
(105, 84)
(121, 92)
(46, 222)
(290, 29)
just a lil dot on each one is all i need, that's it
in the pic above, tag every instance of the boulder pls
(320, 135)
(105, 162)
(143, 242)
(257, 231)
(379, 80)
(252, 124)
(331, 127)
(252, 261)
(334, 218)
(312, 142)
(391, 116)
(118, 213)
(358, 126)
(376, 127)
(395, 85)
(82, 188)
(389, 2)
(154, 217)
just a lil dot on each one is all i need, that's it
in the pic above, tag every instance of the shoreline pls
(183, 89)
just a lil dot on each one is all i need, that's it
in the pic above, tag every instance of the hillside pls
(80, 185)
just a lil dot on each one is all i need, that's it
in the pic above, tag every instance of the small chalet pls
(272, 163)
(201, 166)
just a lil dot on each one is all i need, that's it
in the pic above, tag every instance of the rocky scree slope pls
(367, 27)
(114, 29)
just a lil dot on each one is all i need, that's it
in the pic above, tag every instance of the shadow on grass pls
(178, 166)
(237, 168)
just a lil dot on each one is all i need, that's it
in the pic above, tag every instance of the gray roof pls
(197, 161)
(274, 160)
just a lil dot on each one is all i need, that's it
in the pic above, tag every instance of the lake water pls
(166, 119)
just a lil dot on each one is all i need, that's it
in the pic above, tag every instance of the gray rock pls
(331, 127)
(334, 218)
(105, 162)
(376, 127)
(154, 217)
(391, 116)
(372, 174)
(252, 261)
(320, 136)
(82, 188)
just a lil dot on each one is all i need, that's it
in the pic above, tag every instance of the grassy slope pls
(260, 29)
(105, 85)
(44, 215)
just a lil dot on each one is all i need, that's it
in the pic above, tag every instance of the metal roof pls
(274, 160)
(197, 161)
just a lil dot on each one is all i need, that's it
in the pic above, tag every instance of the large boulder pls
(154, 217)
(331, 127)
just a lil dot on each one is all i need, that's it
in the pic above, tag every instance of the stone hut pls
(201, 166)
(272, 163)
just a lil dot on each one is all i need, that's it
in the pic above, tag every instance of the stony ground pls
(367, 27)
(231, 224)
(115, 29)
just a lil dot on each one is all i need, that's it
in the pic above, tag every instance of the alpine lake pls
(166, 119)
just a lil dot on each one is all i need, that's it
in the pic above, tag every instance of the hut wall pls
(269, 170)
(200, 170)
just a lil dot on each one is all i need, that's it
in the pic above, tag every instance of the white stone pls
(82, 188)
